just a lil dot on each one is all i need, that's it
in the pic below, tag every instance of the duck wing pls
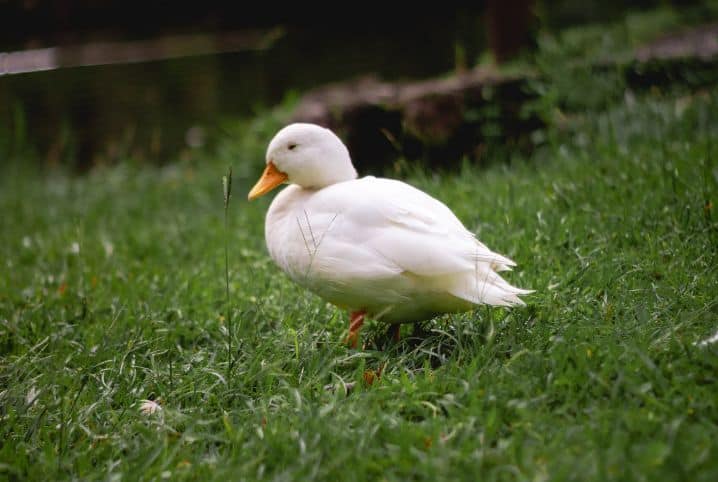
(387, 227)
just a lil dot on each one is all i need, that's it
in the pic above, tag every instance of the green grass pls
(112, 291)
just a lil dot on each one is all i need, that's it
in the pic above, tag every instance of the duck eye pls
(291, 146)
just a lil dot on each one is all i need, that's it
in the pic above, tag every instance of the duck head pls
(305, 154)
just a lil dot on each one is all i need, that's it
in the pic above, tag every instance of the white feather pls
(380, 245)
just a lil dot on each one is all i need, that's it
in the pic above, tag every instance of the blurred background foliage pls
(218, 66)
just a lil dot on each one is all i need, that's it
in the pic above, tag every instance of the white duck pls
(377, 247)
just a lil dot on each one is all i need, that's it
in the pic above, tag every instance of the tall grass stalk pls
(227, 188)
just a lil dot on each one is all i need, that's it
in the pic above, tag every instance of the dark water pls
(88, 115)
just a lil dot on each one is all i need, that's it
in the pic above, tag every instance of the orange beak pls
(271, 178)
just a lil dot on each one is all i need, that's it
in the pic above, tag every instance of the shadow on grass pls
(441, 340)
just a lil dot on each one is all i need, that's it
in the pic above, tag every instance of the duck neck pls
(323, 176)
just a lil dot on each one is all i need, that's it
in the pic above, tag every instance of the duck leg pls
(356, 320)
